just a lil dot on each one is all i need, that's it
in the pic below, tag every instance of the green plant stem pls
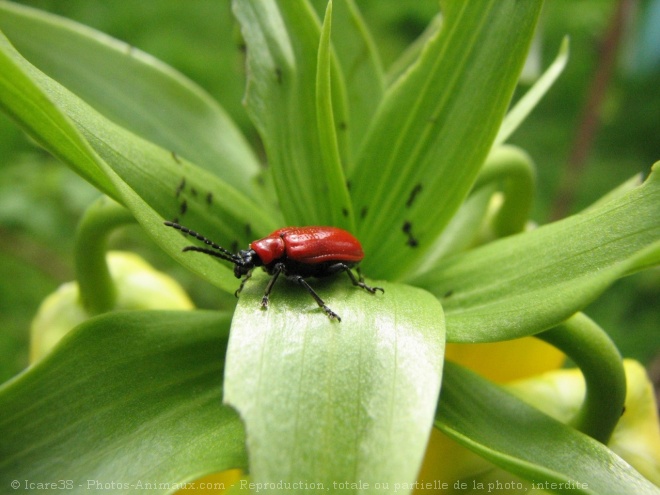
(514, 169)
(97, 289)
(600, 362)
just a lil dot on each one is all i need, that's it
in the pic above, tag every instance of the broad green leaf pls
(435, 128)
(522, 440)
(530, 282)
(327, 401)
(126, 397)
(634, 182)
(134, 90)
(361, 67)
(282, 40)
(150, 181)
(527, 103)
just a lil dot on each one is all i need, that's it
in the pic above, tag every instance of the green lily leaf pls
(91, 409)
(523, 284)
(133, 90)
(328, 144)
(282, 39)
(461, 232)
(328, 401)
(412, 52)
(435, 128)
(322, 401)
(150, 181)
(634, 182)
(520, 439)
(507, 170)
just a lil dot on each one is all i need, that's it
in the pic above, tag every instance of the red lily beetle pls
(297, 252)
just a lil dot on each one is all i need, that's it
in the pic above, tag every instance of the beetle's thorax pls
(269, 248)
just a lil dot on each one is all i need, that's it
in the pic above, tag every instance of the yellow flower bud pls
(138, 286)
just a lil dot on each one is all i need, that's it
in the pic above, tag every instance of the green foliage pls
(478, 415)
(349, 402)
(408, 162)
(521, 284)
(95, 396)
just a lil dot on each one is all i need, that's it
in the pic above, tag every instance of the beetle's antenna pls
(211, 252)
(219, 252)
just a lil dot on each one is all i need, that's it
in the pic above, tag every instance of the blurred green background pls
(41, 200)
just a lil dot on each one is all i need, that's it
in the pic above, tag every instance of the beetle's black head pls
(244, 261)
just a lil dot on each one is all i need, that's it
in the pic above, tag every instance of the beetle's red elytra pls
(296, 252)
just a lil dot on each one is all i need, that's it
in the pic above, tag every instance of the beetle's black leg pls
(331, 314)
(277, 269)
(245, 279)
(357, 282)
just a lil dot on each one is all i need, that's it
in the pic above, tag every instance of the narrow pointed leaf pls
(134, 90)
(328, 401)
(522, 440)
(282, 40)
(328, 144)
(527, 103)
(138, 397)
(530, 282)
(361, 67)
(410, 55)
(435, 128)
